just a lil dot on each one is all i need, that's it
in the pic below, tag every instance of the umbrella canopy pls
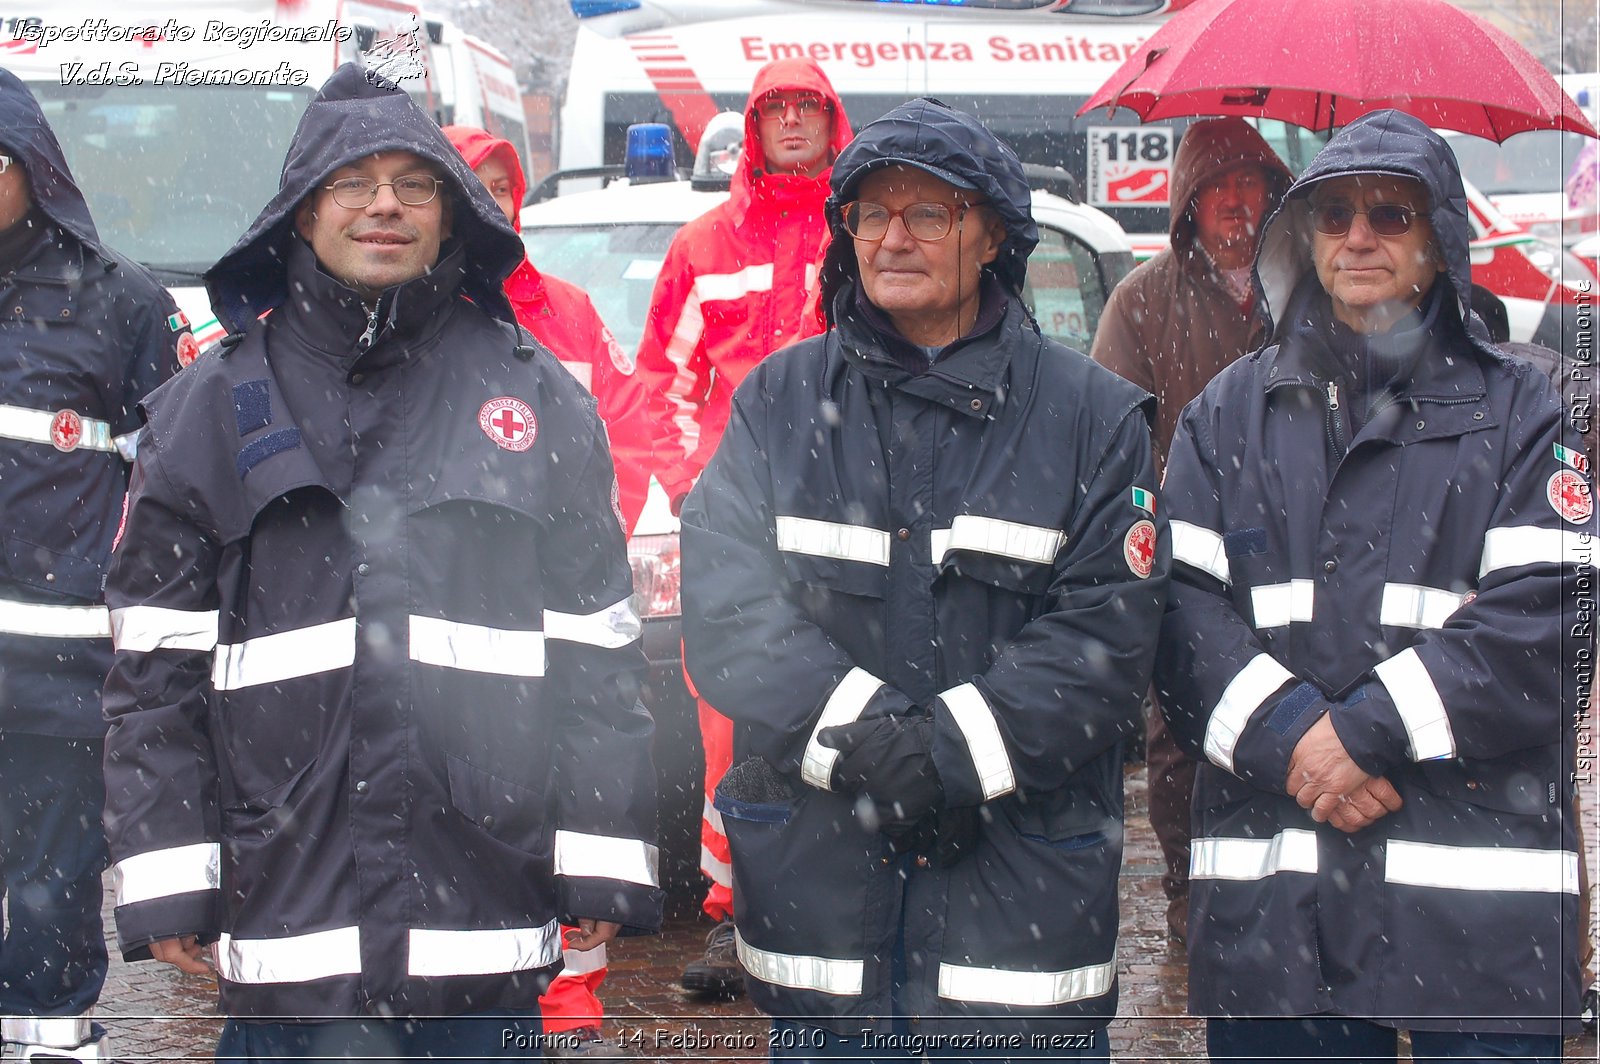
(1324, 63)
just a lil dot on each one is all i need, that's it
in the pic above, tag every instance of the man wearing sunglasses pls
(1381, 525)
(374, 723)
(737, 283)
(85, 334)
(1169, 326)
(924, 573)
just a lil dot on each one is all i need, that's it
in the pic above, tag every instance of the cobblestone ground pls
(156, 1013)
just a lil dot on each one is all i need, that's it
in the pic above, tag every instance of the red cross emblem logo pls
(1568, 493)
(188, 349)
(66, 430)
(1139, 547)
(509, 423)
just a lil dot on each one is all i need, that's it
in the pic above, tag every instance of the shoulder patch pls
(1139, 548)
(1568, 493)
(509, 423)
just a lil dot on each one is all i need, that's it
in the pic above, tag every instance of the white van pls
(1023, 67)
(175, 115)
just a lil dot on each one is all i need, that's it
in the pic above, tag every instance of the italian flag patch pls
(1576, 459)
(177, 321)
(1145, 500)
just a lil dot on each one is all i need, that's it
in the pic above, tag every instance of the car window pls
(615, 264)
(1064, 288)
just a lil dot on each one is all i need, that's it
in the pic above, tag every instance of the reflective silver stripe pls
(615, 626)
(1417, 701)
(1508, 548)
(709, 286)
(850, 696)
(296, 959)
(1199, 548)
(990, 535)
(830, 539)
(1000, 986)
(799, 972)
(1291, 850)
(147, 628)
(1416, 606)
(979, 728)
(476, 647)
(285, 656)
(46, 1032)
(1276, 605)
(127, 445)
(583, 961)
(715, 868)
(490, 951)
(33, 426)
(712, 816)
(54, 622)
(164, 873)
(606, 857)
(1426, 864)
(1245, 693)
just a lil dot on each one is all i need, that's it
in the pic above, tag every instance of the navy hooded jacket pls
(84, 335)
(1409, 570)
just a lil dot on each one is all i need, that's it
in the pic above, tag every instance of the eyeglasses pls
(807, 106)
(357, 193)
(5, 163)
(1386, 219)
(924, 221)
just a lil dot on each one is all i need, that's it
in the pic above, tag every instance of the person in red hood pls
(738, 283)
(561, 316)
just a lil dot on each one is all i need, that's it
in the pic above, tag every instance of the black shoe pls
(1591, 1007)
(718, 973)
(583, 1043)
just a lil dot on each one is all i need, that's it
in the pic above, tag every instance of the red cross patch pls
(66, 430)
(1568, 493)
(1139, 547)
(188, 349)
(509, 423)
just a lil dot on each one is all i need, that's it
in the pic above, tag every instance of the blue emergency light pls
(650, 156)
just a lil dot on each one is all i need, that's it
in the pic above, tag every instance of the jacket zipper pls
(1335, 433)
(365, 343)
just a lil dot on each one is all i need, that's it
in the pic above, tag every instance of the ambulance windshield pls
(173, 176)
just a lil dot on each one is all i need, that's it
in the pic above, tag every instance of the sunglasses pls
(1385, 219)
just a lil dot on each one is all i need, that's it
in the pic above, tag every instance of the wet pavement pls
(157, 1013)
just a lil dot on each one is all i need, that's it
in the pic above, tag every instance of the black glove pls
(890, 760)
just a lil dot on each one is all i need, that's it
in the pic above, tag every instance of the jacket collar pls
(970, 376)
(329, 317)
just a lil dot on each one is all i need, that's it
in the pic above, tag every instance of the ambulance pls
(175, 114)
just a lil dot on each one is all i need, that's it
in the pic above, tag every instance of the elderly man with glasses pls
(738, 282)
(1383, 541)
(374, 723)
(924, 573)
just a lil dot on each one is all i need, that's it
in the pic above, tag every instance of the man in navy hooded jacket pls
(924, 573)
(1380, 525)
(84, 335)
(374, 722)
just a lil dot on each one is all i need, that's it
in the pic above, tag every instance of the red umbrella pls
(1323, 63)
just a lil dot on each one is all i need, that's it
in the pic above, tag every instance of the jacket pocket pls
(1517, 784)
(1080, 814)
(51, 570)
(505, 811)
(259, 816)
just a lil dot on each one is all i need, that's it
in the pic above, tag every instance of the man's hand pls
(592, 933)
(184, 953)
(890, 760)
(1367, 804)
(1320, 768)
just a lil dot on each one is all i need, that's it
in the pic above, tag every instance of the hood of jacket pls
(795, 75)
(478, 145)
(358, 113)
(1388, 143)
(28, 139)
(1208, 150)
(954, 147)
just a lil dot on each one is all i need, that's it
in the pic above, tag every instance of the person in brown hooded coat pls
(1169, 327)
